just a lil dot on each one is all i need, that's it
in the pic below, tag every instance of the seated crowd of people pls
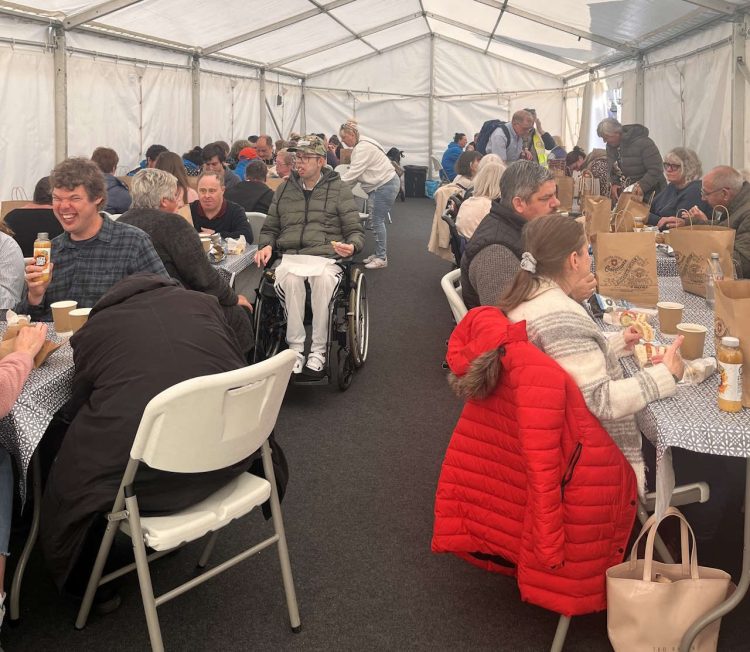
(532, 265)
(130, 249)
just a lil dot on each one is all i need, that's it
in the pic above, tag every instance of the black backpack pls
(486, 131)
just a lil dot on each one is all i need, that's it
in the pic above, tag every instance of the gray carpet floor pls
(358, 512)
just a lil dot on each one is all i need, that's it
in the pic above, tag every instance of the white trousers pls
(291, 290)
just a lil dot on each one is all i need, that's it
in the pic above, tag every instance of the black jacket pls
(231, 221)
(253, 196)
(143, 336)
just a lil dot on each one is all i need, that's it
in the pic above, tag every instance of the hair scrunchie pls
(528, 262)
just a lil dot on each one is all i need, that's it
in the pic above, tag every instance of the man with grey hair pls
(507, 141)
(264, 147)
(284, 164)
(493, 254)
(723, 187)
(633, 158)
(155, 199)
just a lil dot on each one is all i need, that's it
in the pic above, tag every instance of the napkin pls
(237, 246)
(15, 323)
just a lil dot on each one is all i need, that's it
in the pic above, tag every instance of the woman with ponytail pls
(555, 256)
(377, 176)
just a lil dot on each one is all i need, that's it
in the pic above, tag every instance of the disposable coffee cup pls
(638, 223)
(60, 315)
(206, 242)
(670, 314)
(695, 339)
(78, 318)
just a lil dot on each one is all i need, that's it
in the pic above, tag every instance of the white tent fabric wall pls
(288, 114)
(27, 128)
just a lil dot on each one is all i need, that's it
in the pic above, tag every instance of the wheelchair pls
(348, 325)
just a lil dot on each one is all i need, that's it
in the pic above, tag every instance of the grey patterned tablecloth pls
(691, 419)
(47, 389)
(235, 264)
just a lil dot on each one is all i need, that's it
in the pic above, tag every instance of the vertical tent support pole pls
(640, 98)
(431, 116)
(61, 95)
(739, 72)
(303, 107)
(196, 99)
(262, 101)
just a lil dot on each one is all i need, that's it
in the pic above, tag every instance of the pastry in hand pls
(644, 328)
(644, 353)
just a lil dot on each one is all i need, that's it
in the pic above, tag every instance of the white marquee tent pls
(75, 74)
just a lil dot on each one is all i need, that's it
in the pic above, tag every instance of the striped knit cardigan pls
(563, 329)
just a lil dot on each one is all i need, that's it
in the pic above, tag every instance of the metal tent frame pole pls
(61, 94)
(196, 99)
(431, 105)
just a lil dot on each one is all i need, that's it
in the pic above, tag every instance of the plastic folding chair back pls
(451, 284)
(438, 165)
(256, 221)
(199, 425)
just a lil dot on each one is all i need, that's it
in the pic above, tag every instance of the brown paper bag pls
(596, 210)
(565, 193)
(626, 267)
(693, 246)
(628, 208)
(586, 184)
(48, 348)
(731, 317)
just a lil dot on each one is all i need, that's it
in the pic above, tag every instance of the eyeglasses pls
(672, 167)
(708, 193)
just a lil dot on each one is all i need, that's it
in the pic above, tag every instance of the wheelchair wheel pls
(269, 328)
(344, 368)
(359, 319)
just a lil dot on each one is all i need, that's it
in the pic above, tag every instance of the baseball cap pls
(310, 144)
(248, 153)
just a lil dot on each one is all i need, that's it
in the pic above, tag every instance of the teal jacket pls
(296, 225)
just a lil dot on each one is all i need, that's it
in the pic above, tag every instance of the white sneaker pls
(315, 366)
(369, 259)
(377, 263)
(299, 364)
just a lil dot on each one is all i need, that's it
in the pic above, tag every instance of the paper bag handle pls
(715, 211)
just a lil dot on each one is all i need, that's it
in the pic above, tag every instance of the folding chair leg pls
(560, 634)
(278, 524)
(96, 573)
(390, 221)
(144, 577)
(208, 549)
(661, 548)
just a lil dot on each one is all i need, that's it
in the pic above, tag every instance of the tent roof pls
(307, 37)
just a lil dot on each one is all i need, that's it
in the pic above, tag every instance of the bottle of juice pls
(729, 357)
(43, 254)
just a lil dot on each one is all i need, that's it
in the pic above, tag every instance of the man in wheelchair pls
(312, 221)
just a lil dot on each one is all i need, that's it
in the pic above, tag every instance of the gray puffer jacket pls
(640, 160)
(296, 225)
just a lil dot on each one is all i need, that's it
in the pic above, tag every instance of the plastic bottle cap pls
(713, 255)
(730, 341)
(42, 236)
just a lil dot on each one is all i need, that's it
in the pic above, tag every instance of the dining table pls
(691, 419)
(233, 264)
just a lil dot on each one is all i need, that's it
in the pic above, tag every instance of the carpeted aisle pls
(358, 513)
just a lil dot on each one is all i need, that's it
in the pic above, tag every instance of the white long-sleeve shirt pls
(370, 166)
(11, 272)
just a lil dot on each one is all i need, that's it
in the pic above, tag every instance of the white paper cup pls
(60, 315)
(78, 318)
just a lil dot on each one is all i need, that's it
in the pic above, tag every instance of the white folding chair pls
(199, 425)
(437, 164)
(451, 284)
(256, 221)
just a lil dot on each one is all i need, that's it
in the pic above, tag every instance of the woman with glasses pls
(683, 171)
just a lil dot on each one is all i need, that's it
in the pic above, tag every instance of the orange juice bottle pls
(43, 254)
(729, 357)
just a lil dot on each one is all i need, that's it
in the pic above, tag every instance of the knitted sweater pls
(14, 370)
(370, 166)
(563, 329)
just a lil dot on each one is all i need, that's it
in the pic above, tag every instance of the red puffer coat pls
(532, 485)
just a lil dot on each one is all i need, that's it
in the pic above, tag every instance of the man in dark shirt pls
(34, 218)
(215, 160)
(252, 194)
(212, 213)
(93, 253)
(264, 147)
(178, 245)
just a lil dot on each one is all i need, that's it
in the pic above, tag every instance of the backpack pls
(486, 131)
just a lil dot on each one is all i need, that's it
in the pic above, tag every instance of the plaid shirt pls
(85, 270)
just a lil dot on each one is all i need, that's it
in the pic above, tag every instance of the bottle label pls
(730, 383)
(41, 257)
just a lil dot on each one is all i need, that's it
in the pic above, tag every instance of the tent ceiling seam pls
(507, 41)
(424, 15)
(494, 29)
(726, 8)
(324, 9)
(97, 11)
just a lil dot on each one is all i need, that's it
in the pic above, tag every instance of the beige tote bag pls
(650, 605)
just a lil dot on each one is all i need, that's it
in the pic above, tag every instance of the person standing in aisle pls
(378, 178)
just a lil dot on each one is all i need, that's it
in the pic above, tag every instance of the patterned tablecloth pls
(47, 389)
(235, 264)
(691, 418)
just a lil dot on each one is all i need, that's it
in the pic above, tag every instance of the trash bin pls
(414, 178)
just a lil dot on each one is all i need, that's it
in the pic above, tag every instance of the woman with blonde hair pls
(683, 170)
(486, 190)
(555, 258)
(172, 163)
(377, 176)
